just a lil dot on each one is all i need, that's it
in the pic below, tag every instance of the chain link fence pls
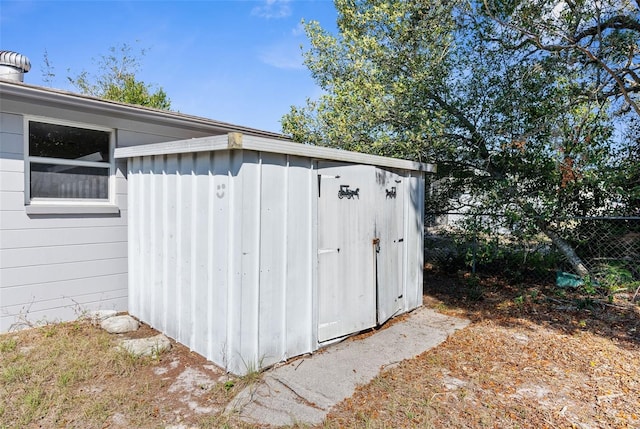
(479, 244)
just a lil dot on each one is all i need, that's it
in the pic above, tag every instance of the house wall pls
(221, 251)
(56, 267)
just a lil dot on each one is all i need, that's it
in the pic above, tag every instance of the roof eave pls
(77, 101)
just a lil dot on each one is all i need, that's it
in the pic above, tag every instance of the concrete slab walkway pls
(304, 390)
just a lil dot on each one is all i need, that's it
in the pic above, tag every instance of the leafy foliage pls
(600, 38)
(135, 92)
(118, 82)
(516, 127)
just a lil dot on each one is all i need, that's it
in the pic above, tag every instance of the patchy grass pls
(73, 375)
(533, 357)
(46, 373)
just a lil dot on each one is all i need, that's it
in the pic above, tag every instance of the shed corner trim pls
(234, 140)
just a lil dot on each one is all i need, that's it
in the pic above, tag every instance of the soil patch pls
(530, 359)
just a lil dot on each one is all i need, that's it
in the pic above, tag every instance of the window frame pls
(44, 205)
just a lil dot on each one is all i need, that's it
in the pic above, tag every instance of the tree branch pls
(618, 22)
(476, 137)
(621, 86)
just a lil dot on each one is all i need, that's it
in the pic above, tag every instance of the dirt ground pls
(187, 390)
(531, 358)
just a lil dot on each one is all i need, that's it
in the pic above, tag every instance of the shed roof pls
(236, 141)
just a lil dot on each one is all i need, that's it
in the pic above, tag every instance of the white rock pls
(119, 324)
(120, 420)
(147, 346)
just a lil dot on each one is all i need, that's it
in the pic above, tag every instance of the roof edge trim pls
(26, 92)
(238, 141)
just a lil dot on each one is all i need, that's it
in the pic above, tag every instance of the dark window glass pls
(62, 141)
(66, 181)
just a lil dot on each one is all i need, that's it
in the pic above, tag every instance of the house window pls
(67, 162)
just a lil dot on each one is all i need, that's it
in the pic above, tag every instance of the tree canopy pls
(117, 80)
(527, 107)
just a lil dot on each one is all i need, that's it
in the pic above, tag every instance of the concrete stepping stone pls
(304, 390)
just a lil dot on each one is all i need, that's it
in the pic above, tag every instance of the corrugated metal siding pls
(414, 253)
(224, 250)
(301, 264)
(221, 253)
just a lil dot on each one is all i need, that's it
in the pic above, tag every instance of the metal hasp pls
(349, 193)
(376, 244)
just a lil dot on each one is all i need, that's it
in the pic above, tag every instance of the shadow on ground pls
(508, 303)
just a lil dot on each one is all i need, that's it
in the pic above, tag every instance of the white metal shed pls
(253, 250)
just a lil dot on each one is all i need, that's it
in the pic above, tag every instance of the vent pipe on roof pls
(13, 66)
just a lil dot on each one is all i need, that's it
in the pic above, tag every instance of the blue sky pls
(233, 61)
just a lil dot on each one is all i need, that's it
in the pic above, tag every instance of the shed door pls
(346, 252)
(389, 230)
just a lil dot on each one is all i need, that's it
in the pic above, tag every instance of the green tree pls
(602, 37)
(449, 81)
(117, 80)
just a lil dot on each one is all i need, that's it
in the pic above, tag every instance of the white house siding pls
(221, 248)
(56, 267)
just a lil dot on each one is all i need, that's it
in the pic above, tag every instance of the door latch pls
(376, 244)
